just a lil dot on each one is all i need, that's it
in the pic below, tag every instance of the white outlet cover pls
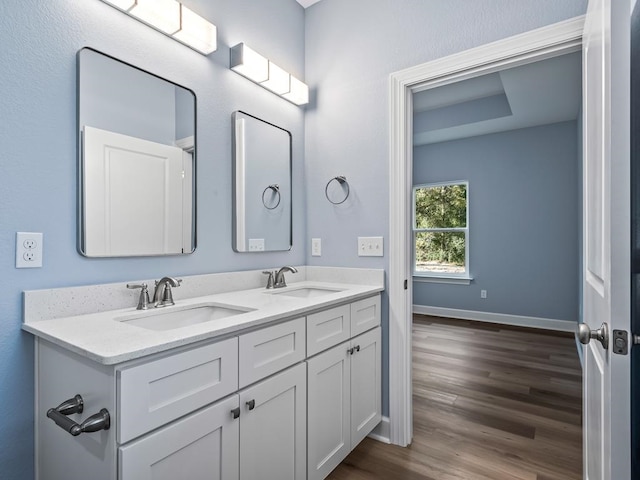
(29, 250)
(256, 244)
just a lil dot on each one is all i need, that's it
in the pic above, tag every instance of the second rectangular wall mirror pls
(137, 182)
(262, 185)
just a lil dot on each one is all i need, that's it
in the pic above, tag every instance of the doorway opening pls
(546, 43)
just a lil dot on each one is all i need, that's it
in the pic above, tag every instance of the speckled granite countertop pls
(109, 337)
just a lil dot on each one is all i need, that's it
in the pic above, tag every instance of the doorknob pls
(585, 334)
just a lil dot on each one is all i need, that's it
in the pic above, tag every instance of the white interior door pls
(133, 195)
(606, 377)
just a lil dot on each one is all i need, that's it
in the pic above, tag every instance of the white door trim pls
(553, 40)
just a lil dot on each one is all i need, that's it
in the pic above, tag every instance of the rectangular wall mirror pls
(262, 185)
(137, 182)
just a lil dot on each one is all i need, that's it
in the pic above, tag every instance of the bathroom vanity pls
(237, 384)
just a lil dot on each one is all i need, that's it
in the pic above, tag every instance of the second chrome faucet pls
(276, 278)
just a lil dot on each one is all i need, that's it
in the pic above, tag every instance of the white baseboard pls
(382, 432)
(504, 319)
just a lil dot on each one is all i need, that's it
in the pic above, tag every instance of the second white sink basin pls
(307, 292)
(169, 319)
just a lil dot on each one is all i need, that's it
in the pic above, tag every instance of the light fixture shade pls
(196, 32)
(278, 81)
(249, 63)
(161, 14)
(299, 93)
(173, 19)
(255, 67)
(121, 4)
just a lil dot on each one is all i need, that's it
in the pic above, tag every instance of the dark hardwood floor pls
(490, 402)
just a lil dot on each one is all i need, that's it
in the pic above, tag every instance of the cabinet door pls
(202, 446)
(365, 315)
(273, 427)
(328, 415)
(328, 328)
(365, 385)
(271, 349)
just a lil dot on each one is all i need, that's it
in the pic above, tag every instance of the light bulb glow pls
(161, 14)
(299, 93)
(255, 67)
(249, 63)
(196, 32)
(278, 81)
(173, 19)
(121, 4)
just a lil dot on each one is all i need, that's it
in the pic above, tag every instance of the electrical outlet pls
(316, 247)
(370, 247)
(28, 250)
(256, 244)
(483, 294)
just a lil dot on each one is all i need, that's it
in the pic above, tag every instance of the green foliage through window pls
(440, 228)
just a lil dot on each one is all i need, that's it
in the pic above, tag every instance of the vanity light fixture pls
(173, 19)
(250, 64)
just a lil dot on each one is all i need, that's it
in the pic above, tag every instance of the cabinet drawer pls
(155, 393)
(328, 328)
(365, 315)
(271, 349)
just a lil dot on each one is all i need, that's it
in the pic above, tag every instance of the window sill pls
(442, 279)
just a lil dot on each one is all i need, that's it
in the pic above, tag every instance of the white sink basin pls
(307, 292)
(168, 319)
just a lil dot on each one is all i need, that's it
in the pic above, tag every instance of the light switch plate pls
(316, 247)
(370, 247)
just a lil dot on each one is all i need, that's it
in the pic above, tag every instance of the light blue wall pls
(125, 100)
(524, 216)
(351, 48)
(38, 138)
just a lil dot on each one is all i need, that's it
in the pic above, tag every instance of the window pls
(441, 230)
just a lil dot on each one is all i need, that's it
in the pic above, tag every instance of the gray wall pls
(38, 137)
(351, 48)
(524, 217)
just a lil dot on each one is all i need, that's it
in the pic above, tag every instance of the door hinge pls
(620, 342)
(406, 284)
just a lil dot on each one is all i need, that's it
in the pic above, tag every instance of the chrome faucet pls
(162, 295)
(143, 300)
(279, 281)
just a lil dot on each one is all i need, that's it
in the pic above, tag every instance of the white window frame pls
(462, 277)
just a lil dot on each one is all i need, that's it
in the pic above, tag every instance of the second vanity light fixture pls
(173, 19)
(264, 72)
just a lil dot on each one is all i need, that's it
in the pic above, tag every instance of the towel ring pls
(275, 188)
(342, 180)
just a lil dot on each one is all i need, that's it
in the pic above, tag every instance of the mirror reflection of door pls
(135, 192)
(137, 161)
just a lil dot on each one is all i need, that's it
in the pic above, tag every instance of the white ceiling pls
(307, 3)
(540, 93)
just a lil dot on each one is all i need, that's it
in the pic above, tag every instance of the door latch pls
(620, 342)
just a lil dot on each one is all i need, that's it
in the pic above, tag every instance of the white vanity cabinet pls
(344, 388)
(246, 406)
